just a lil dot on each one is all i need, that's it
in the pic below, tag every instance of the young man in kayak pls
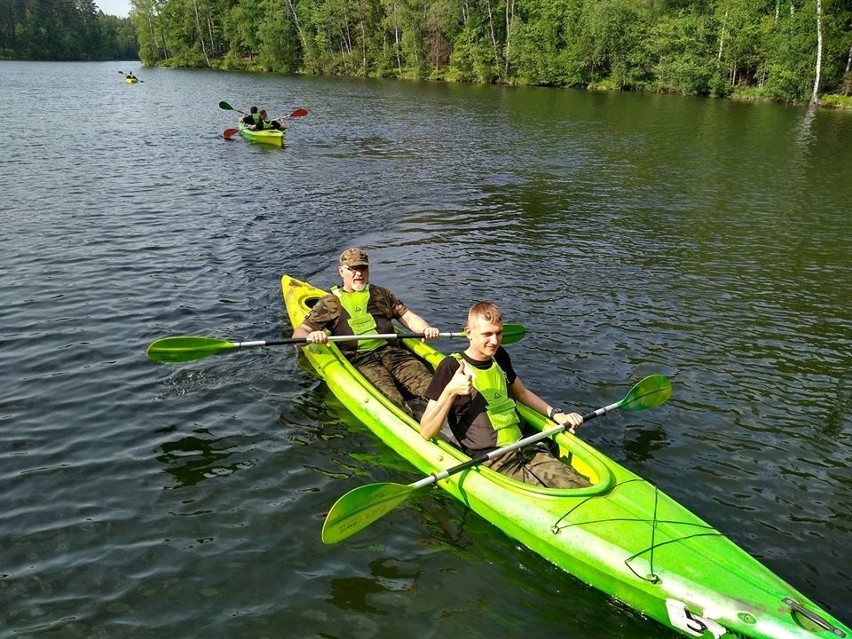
(475, 392)
(265, 123)
(358, 308)
(252, 118)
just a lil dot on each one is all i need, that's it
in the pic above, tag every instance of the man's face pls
(484, 335)
(355, 278)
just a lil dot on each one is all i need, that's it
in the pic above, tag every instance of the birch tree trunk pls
(510, 17)
(210, 29)
(200, 32)
(722, 35)
(292, 7)
(363, 49)
(815, 96)
(398, 47)
(493, 35)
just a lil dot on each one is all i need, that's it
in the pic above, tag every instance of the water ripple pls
(629, 234)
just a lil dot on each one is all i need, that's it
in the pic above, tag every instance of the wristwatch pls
(554, 411)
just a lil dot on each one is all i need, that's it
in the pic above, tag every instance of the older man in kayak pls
(475, 392)
(359, 308)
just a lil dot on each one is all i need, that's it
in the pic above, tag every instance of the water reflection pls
(640, 445)
(838, 409)
(360, 593)
(193, 458)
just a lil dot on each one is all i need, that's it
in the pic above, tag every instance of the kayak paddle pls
(229, 134)
(297, 113)
(173, 350)
(361, 506)
(227, 107)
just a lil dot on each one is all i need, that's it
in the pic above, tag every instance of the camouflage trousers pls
(396, 372)
(536, 465)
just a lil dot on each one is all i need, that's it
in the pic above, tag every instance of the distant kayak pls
(131, 80)
(273, 137)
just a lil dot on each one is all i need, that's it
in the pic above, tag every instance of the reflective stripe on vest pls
(491, 384)
(360, 321)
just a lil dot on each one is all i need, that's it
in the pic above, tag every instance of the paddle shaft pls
(498, 452)
(186, 348)
(340, 338)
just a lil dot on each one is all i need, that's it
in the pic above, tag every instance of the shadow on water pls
(193, 458)
(386, 575)
(839, 407)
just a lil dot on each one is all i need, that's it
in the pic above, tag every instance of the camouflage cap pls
(354, 257)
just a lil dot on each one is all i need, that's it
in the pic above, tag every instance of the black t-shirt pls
(468, 418)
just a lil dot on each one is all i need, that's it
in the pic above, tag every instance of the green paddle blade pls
(360, 507)
(227, 107)
(513, 333)
(648, 393)
(171, 350)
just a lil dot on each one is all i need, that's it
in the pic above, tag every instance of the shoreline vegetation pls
(64, 31)
(786, 51)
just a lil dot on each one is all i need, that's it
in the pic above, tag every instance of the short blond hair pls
(487, 310)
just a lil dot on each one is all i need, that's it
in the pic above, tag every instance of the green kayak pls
(621, 535)
(274, 137)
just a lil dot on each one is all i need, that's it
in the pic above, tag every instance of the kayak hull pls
(271, 137)
(621, 535)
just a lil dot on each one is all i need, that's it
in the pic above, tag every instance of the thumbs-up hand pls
(461, 383)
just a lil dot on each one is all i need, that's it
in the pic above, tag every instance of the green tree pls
(614, 33)
(682, 46)
(279, 48)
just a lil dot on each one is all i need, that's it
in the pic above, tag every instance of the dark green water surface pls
(706, 240)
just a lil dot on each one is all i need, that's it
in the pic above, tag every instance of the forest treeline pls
(788, 50)
(780, 49)
(63, 30)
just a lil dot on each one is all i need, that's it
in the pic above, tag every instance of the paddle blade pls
(229, 134)
(298, 113)
(360, 507)
(648, 393)
(172, 350)
(513, 333)
(227, 107)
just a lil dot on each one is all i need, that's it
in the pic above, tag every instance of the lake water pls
(706, 240)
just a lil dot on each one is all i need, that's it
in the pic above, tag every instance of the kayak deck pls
(621, 535)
